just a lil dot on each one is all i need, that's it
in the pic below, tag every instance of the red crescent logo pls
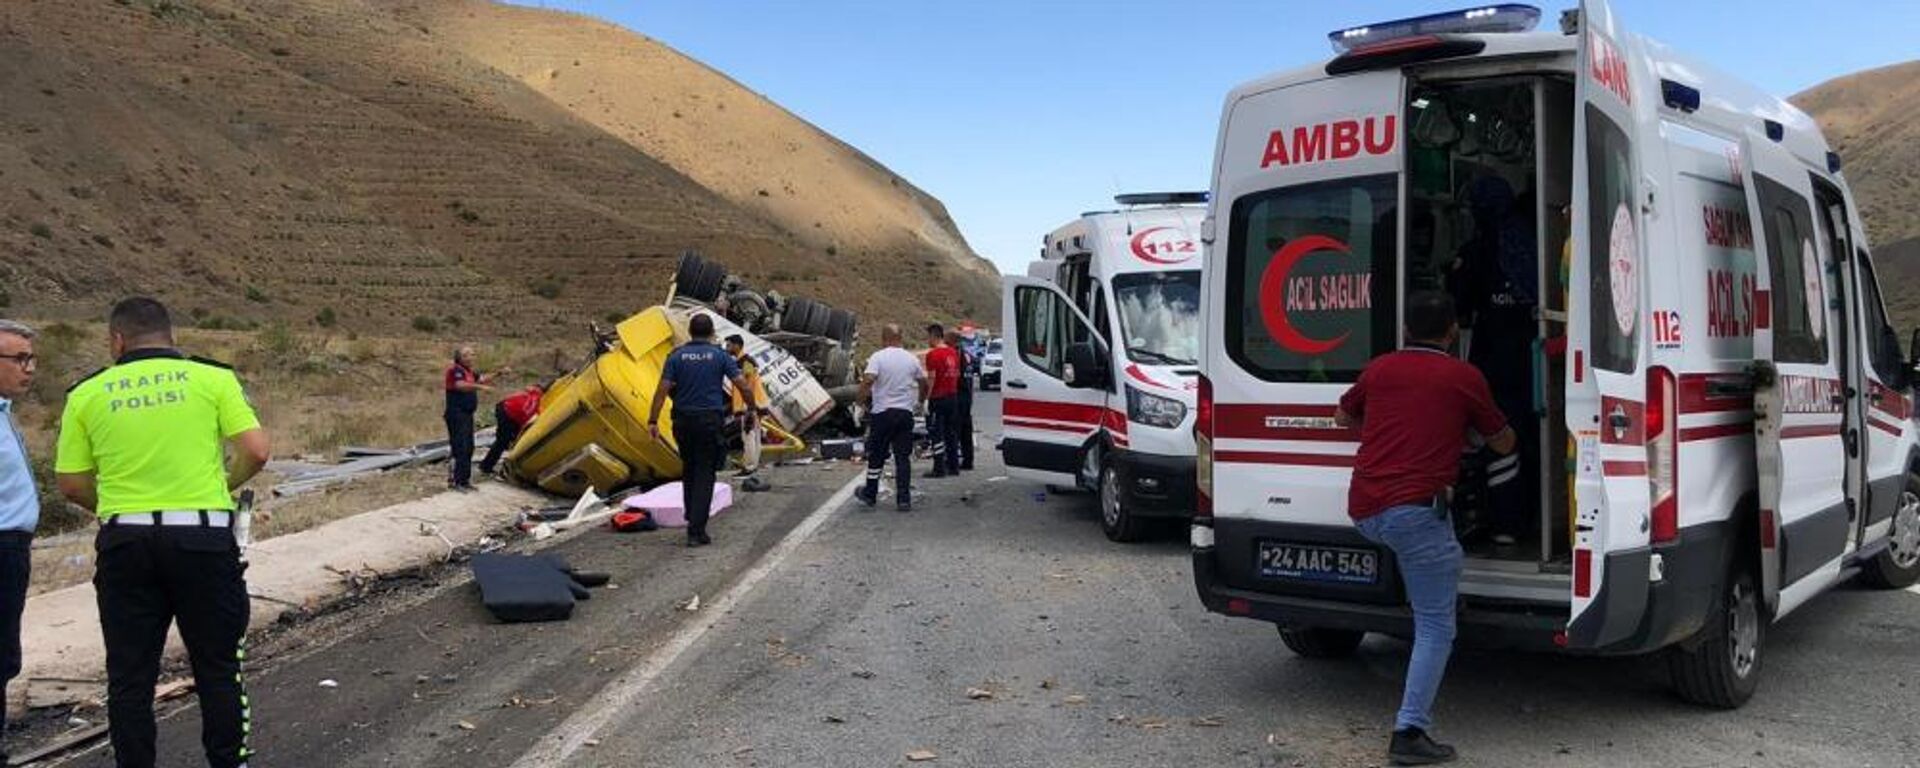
(1139, 246)
(1133, 370)
(1273, 283)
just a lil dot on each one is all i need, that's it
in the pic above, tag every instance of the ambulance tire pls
(1898, 567)
(1720, 667)
(1320, 642)
(1115, 521)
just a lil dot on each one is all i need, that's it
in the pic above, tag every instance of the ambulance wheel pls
(1115, 521)
(1899, 566)
(1721, 666)
(1320, 642)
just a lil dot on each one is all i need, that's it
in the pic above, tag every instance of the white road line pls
(615, 699)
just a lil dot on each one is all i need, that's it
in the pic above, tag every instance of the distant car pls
(990, 367)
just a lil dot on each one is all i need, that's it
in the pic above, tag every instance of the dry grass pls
(315, 393)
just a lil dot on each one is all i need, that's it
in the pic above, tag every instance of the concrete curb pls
(64, 659)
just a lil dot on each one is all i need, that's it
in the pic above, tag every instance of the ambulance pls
(1099, 360)
(1720, 419)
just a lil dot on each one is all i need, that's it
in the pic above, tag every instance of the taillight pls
(1203, 453)
(1663, 458)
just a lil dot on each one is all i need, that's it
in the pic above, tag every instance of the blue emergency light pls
(1503, 18)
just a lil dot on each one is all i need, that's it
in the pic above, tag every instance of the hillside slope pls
(261, 160)
(1872, 119)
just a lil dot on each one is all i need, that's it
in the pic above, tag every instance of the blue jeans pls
(1423, 544)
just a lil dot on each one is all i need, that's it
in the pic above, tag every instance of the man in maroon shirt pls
(1414, 408)
(943, 402)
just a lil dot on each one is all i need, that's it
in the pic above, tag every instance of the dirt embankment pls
(449, 165)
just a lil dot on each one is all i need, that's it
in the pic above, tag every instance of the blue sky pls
(1020, 114)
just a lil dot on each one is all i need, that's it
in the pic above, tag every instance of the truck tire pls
(839, 368)
(1899, 566)
(1321, 642)
(817, 319)
(713, 278)
(840, 326)
(1116, 521)
(687, 274)
(798, 312)
(1720, 667)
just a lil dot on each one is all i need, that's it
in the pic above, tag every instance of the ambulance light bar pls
(1503, 18)
(1161, 198)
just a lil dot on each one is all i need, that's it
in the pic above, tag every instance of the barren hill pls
(1872, 118)
(417, 165)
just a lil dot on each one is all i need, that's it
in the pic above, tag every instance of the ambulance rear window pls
(1310, 276)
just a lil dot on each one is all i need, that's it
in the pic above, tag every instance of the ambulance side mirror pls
(1086, 367)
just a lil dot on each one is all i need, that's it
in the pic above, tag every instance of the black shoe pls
(966, 467)
(865, 496)
(1412, 746)
(937, 473)
(698, 540)
(904, 506)
(465, 488)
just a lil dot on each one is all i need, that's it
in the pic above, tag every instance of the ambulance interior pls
(1489, 181)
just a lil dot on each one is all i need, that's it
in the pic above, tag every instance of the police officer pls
(695, 376)
(141, 444)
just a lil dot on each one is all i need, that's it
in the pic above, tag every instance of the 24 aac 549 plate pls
(1318, 562)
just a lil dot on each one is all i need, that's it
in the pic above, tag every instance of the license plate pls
(1316, 562)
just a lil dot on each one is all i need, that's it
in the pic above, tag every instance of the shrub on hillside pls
(425, 324)
(256, 295)
(548, 287)
(326, 318)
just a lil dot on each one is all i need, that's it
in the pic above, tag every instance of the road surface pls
(995, 626)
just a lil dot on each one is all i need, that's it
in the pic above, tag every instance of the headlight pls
(1154, 410)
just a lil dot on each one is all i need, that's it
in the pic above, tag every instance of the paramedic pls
(1496, 285)
(463, 386)
(19, 504)
(141, 445)
(510, 417)
(695, 375)
(751, 435)
(893, 387)
(1412, 407)
(943, 401)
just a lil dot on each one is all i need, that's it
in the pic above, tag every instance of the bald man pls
(893, 387)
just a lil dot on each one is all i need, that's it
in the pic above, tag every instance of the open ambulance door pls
(1607, 383)
(1045, 424)
(1800, 396)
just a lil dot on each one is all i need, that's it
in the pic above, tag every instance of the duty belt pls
(176, 518)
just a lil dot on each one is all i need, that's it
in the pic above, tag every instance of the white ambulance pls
(1099, 363)
(1726, 429)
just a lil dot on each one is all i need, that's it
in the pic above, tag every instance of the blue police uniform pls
(695, 378)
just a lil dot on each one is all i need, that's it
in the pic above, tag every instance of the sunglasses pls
(24, 358)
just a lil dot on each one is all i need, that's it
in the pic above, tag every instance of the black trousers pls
(505, 431)
(890, 432)
(697, 433)
(963, 423)
(945, 413)
(16, 569)
(460, 442)
(147, 577)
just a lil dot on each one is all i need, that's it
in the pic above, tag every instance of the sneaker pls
(865, 496)
(1412, 746)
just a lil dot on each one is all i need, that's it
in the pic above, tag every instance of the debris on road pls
(1209, 721)
(834, 719)
(922, 756)
(979, 694)
(690, 604)
(464, 725)
(864, 674)
(1074, 699)
(517, 588)
(329, 683)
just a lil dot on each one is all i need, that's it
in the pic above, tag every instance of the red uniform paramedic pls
(943, 401)
(1413, 408)
(510, 416)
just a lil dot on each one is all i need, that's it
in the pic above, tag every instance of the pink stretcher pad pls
(668, 509)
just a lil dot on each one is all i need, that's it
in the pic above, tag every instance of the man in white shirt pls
(893, 387)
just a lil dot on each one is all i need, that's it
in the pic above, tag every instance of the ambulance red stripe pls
(1809, 430)
(1884, 427)
(1047, 425)
(1623, 468)
(1089, 415)
(1716, 431)
(1284, 459)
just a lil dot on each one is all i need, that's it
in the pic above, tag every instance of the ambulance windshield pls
(1160, 316)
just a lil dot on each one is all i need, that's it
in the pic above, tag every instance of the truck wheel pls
(817, 319)
(713, 279)
(688, 274)
(1320, 642)
(1899, 566)
(794, 318)
(1115, 521)
(840, 326)
(1721, 667)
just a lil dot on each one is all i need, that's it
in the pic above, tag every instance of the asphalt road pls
(862, 643)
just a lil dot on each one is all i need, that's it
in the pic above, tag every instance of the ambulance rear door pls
(1608, 380)
(1046, 424)
(1800, 397)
